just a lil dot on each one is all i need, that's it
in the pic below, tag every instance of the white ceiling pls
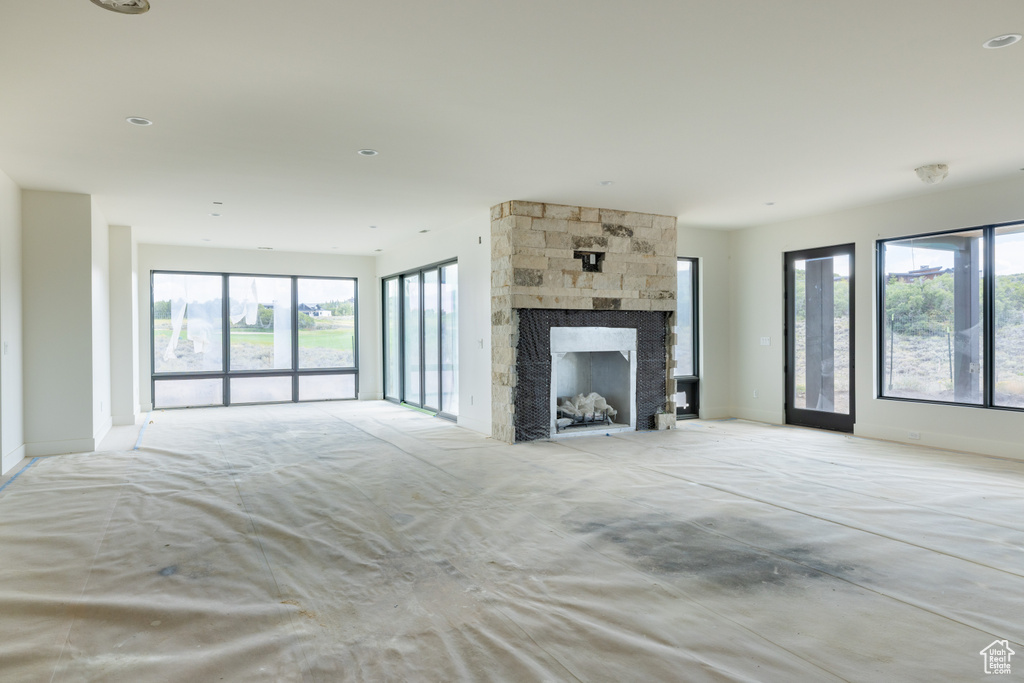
(704, 110)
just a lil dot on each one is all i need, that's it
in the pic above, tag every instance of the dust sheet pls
(365, 542)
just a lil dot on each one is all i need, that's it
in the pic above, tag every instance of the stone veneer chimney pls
(538, 252)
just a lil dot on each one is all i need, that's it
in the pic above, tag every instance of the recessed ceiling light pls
(373, 227)
(139, 121)
(206, 239)
(769, 203)
(1001, 41)
(333, 247)
(378, 250)
(218, 203)
(606, 183)
(215, 215)
(266, 248)
(423, 231)
(368, 152)
(124, 6)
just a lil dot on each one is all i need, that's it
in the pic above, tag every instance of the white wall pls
(57, 299)
(469, 242)
(161, 257)
(757, 310)
(124, 327)
(12, 433)
(101, 410)
(714, 321)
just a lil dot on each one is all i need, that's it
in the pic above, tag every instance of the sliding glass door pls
(421, 338)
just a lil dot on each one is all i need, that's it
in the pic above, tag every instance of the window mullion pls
(989, 326)
(225, 326)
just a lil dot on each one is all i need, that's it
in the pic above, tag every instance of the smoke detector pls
(932, 173)
(124, 6)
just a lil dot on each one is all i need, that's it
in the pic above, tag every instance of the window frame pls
(401, 399)
(988, 324)
(226, 374)
(690, 383)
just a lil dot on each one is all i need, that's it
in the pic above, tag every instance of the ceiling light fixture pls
(932, 173)
(378, 250)
(124, 6)
(139, 121)
(423, 231)
(606, 183)
(215, 215)
(1001, 41)
(265, 248)
(373, 227)
(769, 203)
(368, 152)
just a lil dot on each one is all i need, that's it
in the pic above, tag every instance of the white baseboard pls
(9, 460)
(368, 396)
(710, 413)
(60, 447)
(482, 426)
(145, 407)
(125, 420)
(769, 416)
(952, 442)
(104, 429)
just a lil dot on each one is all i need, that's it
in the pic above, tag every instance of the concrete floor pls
(362, 541)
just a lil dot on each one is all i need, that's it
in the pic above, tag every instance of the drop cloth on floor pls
(356, 541)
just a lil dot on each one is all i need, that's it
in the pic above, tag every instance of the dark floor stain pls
(704, 549)
(169, 571)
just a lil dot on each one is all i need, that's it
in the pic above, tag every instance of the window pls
(952, 308)
(685, 350)
(222, 339)
(1008, 318)
(260, 313)
(327, 323)
(421, 338)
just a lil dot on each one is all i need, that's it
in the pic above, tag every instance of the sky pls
(901, 259)
(208, 287)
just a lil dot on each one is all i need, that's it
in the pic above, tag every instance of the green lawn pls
(339, 335)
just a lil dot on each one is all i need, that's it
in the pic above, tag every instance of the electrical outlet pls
(756, 393)
(471, 399)
(766, 341)
(916, 436)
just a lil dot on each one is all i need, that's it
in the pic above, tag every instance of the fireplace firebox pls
(538, 378)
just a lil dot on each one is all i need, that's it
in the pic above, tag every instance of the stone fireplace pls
(564, 275)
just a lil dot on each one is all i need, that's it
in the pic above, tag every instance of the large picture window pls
(952, 317)
(685, 350)
(421, 338)
(225, 339)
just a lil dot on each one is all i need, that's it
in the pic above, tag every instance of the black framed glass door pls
(420, 338)
(819, 338)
